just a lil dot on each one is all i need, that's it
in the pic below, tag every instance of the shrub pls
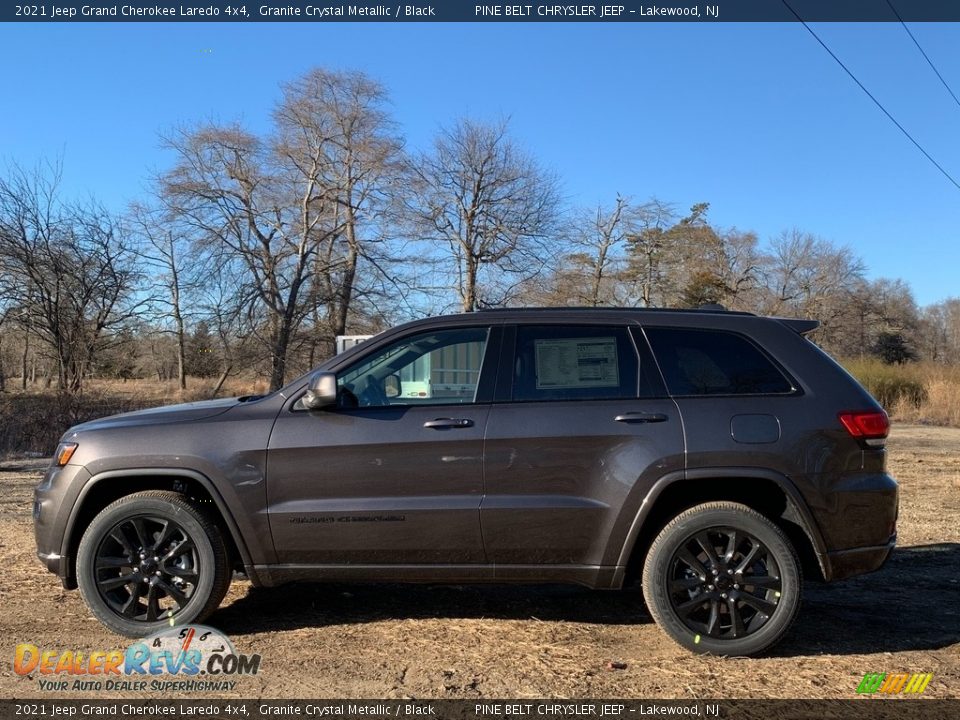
(891, 385)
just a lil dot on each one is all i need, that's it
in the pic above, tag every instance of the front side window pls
(574, 363)
(714, 362)
(438, 367)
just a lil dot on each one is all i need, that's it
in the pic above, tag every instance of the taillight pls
(872, 427)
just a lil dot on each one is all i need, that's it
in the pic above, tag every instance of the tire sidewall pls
(656, 581)
(124, 509)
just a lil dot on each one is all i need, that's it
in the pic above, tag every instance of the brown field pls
(473, 642)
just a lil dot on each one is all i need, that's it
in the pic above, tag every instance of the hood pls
(163, 415)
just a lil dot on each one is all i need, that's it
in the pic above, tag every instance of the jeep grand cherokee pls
(713, 455)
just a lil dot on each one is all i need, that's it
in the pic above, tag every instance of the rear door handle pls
(443, 423)
(640, 417)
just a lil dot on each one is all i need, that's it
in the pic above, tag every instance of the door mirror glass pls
(322, 391)
(391, 386)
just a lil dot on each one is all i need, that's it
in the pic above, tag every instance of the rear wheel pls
(721, 578)
(151, 560)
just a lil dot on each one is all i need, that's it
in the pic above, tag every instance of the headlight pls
(64, 452)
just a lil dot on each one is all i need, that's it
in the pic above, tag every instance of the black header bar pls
(323, 11)
(480, 709)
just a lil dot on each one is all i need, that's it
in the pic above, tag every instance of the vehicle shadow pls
(911, 604)
(318, 604)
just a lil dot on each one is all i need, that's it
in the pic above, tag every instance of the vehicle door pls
(393, 473)
(580, 430)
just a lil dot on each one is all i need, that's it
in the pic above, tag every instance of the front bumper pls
(59, 566)
(53, 498)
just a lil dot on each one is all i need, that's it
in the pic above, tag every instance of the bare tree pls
(490, 205)
(598, 238)
(807, 276)
(941, 330)
(224, 303)
(163, 247)
(333, 128)
(69, 267)
(651, 252)
(291, 206)
(229, 187)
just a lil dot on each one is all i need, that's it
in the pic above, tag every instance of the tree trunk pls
(223, 378)
(178, 318)
(23, 360)
(278, 361)
(470, 285)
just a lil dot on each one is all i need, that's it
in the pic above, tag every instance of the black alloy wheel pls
(724, 583)
(721, 578)
(152, 559)
(147, 568)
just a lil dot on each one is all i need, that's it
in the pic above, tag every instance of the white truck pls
(438, 374)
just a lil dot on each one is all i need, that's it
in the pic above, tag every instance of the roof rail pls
(612, 308)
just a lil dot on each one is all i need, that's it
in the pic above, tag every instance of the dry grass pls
(31, 421)
(168, 391)
(942, 404)
(916, 392)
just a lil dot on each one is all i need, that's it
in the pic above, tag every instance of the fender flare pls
(795, 502)
(218, 500)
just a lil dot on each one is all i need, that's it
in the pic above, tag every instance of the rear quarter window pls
(714, 362)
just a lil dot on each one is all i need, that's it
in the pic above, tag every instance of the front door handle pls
(444, 423)
(640, 417)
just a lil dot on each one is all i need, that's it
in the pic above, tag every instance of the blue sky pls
(755, 119)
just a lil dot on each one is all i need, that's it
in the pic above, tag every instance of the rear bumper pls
(857, 561)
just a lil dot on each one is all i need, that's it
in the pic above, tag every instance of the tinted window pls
(441, 367)
(709, 362)
(574, 363)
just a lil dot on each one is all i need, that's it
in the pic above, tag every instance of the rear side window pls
(574, 363)
(714, 362)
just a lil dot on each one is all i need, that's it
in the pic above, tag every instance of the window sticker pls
(577, 363)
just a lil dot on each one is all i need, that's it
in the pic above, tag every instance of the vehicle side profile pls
(714, 456)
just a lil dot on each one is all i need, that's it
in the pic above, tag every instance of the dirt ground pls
(498, 642)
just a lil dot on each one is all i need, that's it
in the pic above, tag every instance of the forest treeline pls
(250, 252)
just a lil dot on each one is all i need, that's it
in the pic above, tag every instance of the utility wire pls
(925, 56)
(876, 102)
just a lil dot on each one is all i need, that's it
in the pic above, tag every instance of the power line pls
(876, 102)
(925, 56)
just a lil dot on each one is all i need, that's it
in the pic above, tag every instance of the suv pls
(714, 455)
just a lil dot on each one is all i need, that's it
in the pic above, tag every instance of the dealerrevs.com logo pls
(190, 658)
(894, 683)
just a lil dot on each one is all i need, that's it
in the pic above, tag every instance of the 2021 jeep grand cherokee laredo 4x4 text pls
(712, 453)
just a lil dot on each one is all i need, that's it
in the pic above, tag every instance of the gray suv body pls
(717, 455)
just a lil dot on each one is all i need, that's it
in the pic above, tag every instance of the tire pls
(740, 599)
(151, 560)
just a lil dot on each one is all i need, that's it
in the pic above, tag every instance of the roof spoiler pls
(800, 326)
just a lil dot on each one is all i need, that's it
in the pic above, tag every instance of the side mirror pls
(322, 391)
(391, 386)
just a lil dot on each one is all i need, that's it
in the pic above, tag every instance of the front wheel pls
(723, 579)
(151, 560)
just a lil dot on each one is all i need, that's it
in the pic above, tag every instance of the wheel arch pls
(106, 487)
(768, 492)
